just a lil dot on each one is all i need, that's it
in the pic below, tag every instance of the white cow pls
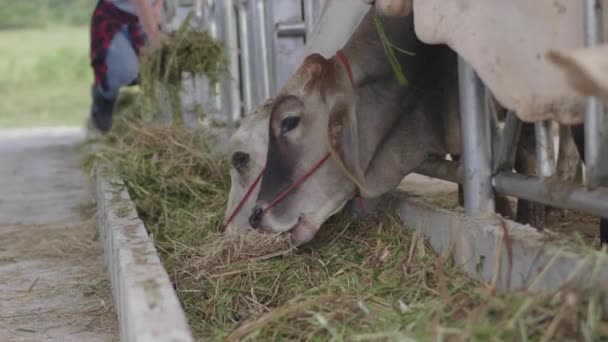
(507, 43)
(585, 69)
(248, 145)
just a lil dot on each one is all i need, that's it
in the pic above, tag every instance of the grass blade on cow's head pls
(390, 54)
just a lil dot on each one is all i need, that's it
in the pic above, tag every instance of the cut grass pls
(45, 77)
(360, 280)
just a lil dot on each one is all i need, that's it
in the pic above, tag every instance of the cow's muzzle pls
(256, 217)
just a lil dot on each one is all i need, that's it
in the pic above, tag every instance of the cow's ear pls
(344, 140)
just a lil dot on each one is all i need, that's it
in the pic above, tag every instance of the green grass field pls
(45, 77)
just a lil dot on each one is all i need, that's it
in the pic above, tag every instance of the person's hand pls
(156, 40)
(149, 18)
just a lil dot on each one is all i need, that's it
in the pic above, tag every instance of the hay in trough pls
(360, 280)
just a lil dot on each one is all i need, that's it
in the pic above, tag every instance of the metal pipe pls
(283, 49)
(291, 29)
(198, 9)
(507, 145)
(245, 60)
(477, 166)
(231, 44)
(442, 169)
(595, 123)
(261, 62)
(545, 157)
(211, 15)
(554, 193)
(309, 16)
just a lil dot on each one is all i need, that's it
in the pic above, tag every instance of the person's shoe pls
(101, 114)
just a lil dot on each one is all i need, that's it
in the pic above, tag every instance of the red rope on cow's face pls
(349, 70)
(245, 197)
(307, 174)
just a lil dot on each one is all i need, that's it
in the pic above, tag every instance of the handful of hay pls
(360, 280)
(186, 51)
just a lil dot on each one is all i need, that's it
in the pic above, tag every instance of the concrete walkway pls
(52, 283)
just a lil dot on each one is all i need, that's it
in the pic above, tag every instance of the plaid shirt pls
(107, 20)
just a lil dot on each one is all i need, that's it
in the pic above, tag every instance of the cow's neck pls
(379, 97)
(366, 54)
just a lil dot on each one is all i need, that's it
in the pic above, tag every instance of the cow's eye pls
(289, 123)
(239, 159)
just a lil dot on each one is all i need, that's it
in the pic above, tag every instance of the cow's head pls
(247, 155)
(317, 93)
(324, 115)
(375, 130)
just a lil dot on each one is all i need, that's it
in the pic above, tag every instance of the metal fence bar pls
(258, 39)
(554, 193)
(283, 49)
(545, 155)
(295, 29)
(245, 54)
(507, 145)
(311, 10)
(198, 9)
(596, 130)
(476, 149)
(231, 104)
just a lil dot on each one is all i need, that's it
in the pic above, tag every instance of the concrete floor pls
(52, 283)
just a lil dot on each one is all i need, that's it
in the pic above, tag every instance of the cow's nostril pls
(256, 217)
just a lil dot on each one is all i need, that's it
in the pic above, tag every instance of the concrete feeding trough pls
(148, 308)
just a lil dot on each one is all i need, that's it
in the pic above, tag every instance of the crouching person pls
(119, 31)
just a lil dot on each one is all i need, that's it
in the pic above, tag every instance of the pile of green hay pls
(360, 280)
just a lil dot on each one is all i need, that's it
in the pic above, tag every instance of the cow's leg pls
(578, 134)
(458, 159)
(568, 166)
(525, 162)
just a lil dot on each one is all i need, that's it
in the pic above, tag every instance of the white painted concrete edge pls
(148, 308)
(522, 260)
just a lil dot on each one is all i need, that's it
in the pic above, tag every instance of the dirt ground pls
(53, 286)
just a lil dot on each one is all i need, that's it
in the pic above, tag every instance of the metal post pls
(545, 156)
(231, 84)
(246, 80)
(198, 9)
(596, 125)
(310, 16)
(211, 22)
(476, 149)
(284, 49)
(268, 72)
(261, 72)
(507, 146)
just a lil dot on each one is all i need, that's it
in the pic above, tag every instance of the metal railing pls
(480, 178)
(260, 37)
(263, 36)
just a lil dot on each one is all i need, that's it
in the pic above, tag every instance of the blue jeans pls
(123, 67)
